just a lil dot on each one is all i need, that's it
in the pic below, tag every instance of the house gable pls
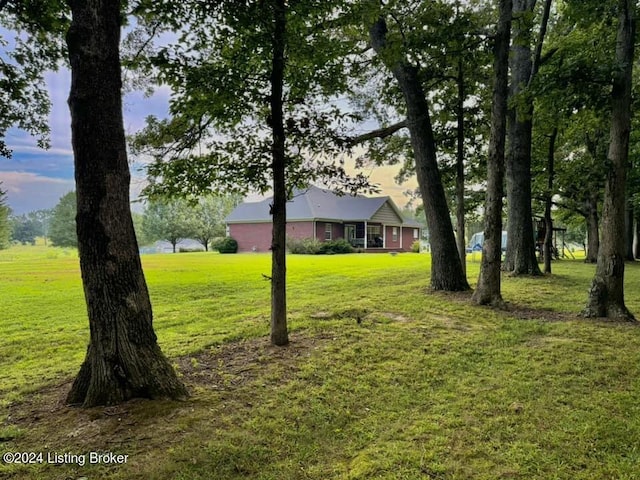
(386, 214)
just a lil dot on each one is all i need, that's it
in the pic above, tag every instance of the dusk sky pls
(36, 179)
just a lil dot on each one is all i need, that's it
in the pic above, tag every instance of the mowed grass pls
(383, 378)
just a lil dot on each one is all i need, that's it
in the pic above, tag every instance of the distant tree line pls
(172, 220)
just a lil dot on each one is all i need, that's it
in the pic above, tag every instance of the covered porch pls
(374, 236)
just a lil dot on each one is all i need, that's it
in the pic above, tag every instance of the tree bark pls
(593, 229)
(606, 295)
(446, 266)
(123, 358)
(548, 221)
(520, 258)
(488, 289)
(460, 210)
(279, 332)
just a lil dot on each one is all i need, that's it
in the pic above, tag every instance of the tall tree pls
(123, 357)
(279, 330)
(260, 97)
(62, 230)
(488, 288)
(27, 227)
(520, 257)
(210, 213)
(23, 229)
(5, 225)
(606, 295)
(170, 220)
(446, 267)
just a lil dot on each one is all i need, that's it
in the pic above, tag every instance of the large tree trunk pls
(548, 221)
(520, 258)
(460, 210)
(279, 332)
(593, 228)
(446, 266)
(123, 358)
(606, 295)
(488, 289)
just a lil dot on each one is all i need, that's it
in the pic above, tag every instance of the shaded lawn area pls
(425, 385)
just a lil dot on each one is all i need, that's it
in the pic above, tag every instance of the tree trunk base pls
(600, 306)
(447, 285)
(106, 381)
(522, 271)
(491, 299)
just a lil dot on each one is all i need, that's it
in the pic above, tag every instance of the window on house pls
(328, 230)
(416, 233)
(374, 236)
(394, 234)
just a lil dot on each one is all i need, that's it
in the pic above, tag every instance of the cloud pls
(29, 191)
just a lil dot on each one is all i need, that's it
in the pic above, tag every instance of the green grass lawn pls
(427, 385)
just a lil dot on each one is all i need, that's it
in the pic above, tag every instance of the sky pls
(35, 179)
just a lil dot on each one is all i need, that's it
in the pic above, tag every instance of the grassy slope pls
(427, 386)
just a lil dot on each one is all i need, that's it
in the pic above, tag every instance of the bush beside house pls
(311, 246)
(227, 245)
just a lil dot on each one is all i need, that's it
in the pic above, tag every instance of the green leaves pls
(62, 230)
(219, 137)
(34, 44)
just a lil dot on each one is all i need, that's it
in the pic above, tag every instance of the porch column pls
(314, 230)
(384, 236)
(365, 234)
(401, 235)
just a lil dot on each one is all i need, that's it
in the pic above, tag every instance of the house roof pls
(315, 203)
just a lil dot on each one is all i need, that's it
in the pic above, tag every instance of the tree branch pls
(543, 31)
(3, 3)
(379, 133)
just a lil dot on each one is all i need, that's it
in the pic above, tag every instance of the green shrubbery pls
(227, 245)
(303, 246)
(311, 246)
(336, 246)
(415, 246)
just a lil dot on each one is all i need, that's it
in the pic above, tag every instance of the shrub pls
(303, 246)
(415, 246)
(311, 246)
(228, 245)
(336, 246)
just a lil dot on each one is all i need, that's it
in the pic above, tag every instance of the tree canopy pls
(24, 59)
(62, 230)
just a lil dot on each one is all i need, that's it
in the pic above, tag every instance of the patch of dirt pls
(396, 317)
(518, 311)
(527, 313)
(46, 423)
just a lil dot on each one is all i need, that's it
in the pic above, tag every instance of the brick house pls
(370, 223)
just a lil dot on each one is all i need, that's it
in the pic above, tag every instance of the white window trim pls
(328, 228)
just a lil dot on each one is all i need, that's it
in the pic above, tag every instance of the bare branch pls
(541, 35)
(379, 133)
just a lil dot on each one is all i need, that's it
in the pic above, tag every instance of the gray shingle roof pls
(316, 203)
